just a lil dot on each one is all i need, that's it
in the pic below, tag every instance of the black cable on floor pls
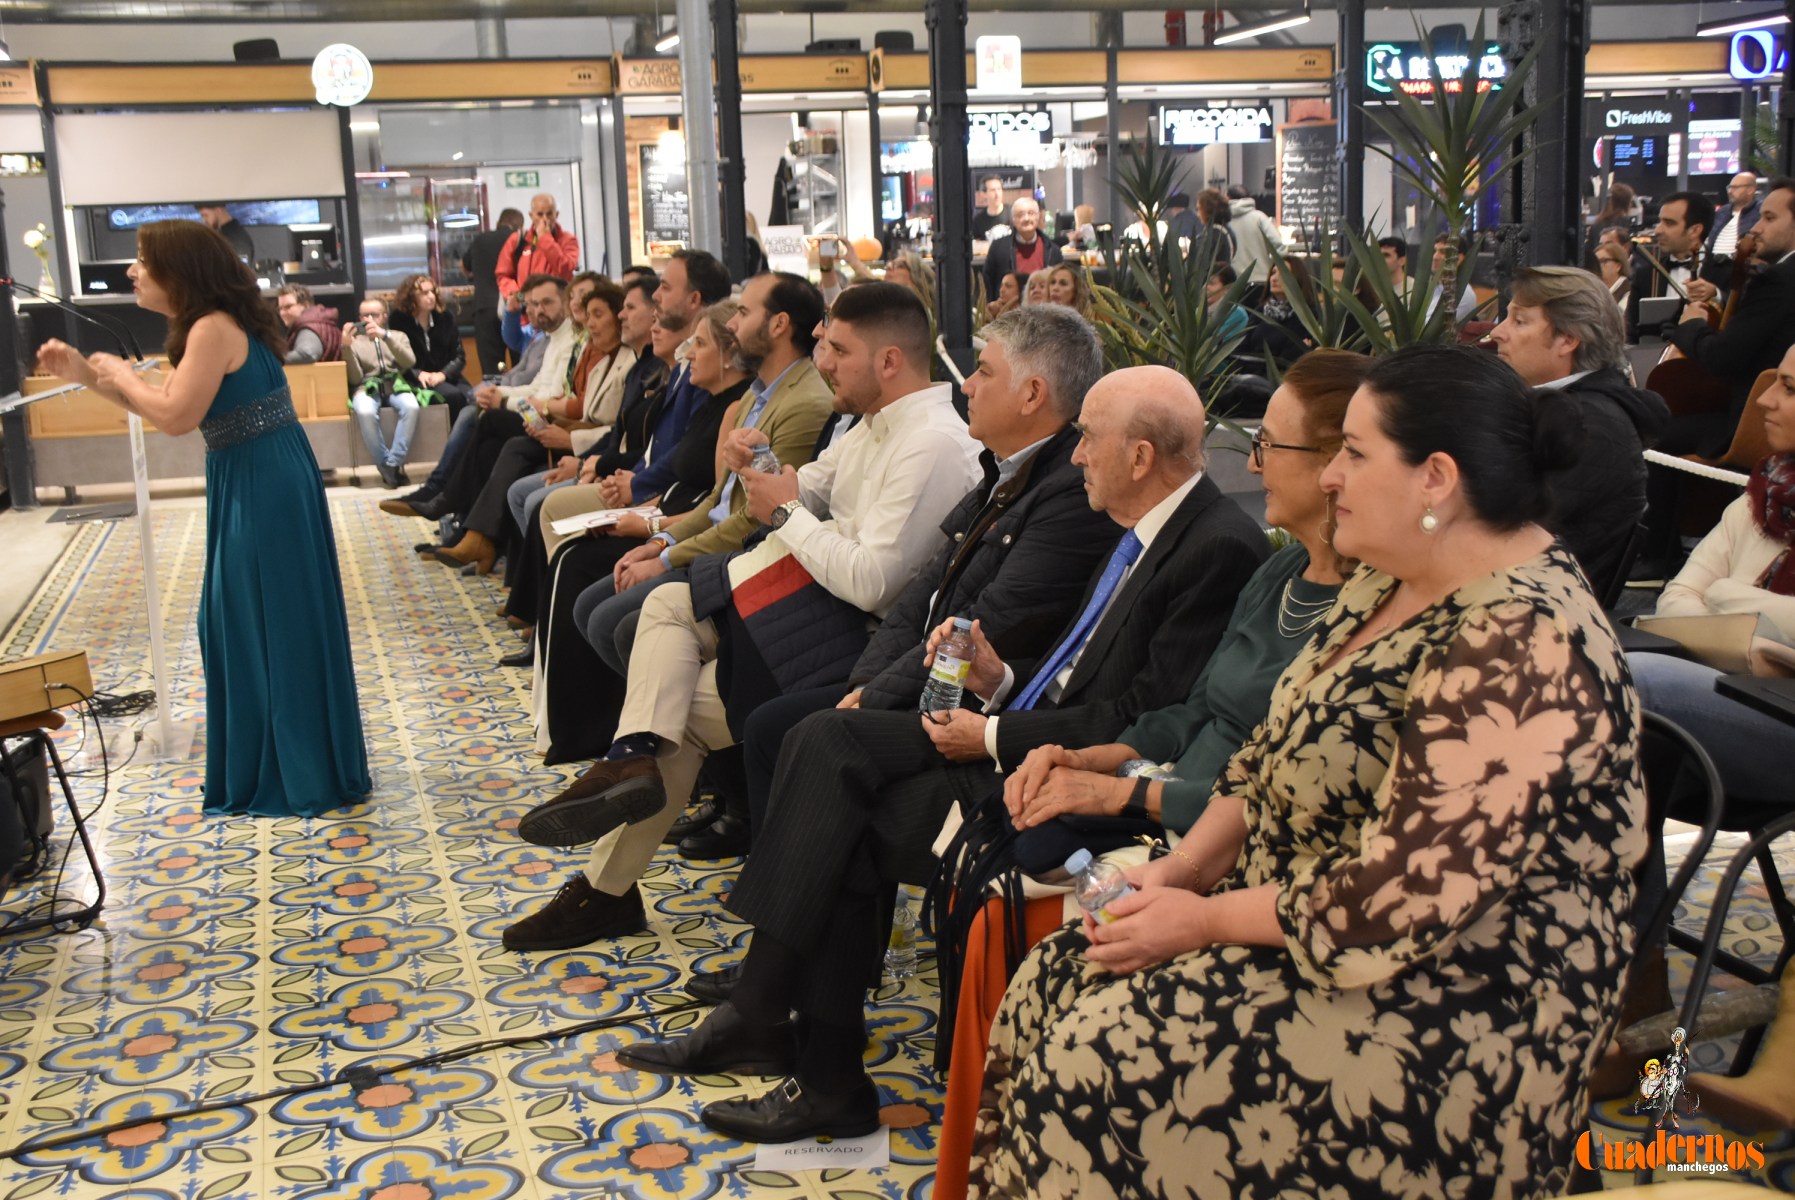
(356, 1077)
(47, 906)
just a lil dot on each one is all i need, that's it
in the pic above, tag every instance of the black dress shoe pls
(577, 914)
(432, 509)
(725, 1044)
(726, 837)
(792, 1112)
(523, 658)
(714, 987)
(698, 818)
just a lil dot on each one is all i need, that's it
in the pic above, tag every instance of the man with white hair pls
(1024, 250)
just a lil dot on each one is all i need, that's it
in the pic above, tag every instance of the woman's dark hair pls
(1213, 208)
(1300, 273)
(202, 274)
(612, 294)
(1471, 406)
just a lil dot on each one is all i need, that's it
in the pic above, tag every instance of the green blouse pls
(1230, 698)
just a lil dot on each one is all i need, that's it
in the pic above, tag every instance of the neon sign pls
(1406, 65)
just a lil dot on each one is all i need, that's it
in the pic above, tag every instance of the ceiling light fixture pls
(1726, 25)
(1241, 33)
(667, 41)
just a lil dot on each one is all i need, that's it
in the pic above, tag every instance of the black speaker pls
(26, 818)
(256, 50)
(834, 46)
(895, 40)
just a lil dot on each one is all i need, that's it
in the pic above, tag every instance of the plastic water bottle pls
(900, 953)
(947, 677)
(765, 461)
(1095, 884)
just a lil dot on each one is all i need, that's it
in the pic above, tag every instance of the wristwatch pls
(784, 512)
(1136, 804)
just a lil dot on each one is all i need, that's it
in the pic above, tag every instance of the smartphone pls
(827, 247)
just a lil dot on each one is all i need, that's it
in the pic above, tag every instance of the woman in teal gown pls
(283, 726)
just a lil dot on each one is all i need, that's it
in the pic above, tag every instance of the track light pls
(667, 41)
(1241, 33)
(1726, 25)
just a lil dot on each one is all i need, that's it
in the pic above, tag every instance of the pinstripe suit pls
(859, 794)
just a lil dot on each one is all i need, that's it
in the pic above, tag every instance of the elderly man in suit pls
(1023, 250)
(859, 794)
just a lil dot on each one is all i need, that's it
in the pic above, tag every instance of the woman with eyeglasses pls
(1278, 609)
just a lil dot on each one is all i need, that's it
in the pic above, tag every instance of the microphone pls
(117, 330)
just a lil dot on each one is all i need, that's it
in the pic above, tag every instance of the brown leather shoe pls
(577, 914)
(612, 792)
(474, 548)
(398, 507)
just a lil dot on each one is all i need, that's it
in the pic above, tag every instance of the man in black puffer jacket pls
(1563, 333)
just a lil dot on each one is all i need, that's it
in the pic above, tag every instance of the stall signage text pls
(1206, 126)
(1757, 54)
(1406, 65)
(998, 130)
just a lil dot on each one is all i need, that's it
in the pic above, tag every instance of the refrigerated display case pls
(415, 224)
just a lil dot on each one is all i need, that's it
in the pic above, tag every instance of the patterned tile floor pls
(240, 956)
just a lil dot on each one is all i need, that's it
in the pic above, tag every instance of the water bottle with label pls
(1095, 884)
(947, 676)
(900, 952)
(765, 461)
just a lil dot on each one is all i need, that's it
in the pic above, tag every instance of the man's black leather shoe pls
(726, 837)
(695, 820)
(714, 987)
(791, 1112)
(724, 1044)
(432, 509)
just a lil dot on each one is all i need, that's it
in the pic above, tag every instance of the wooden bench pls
(79, 439)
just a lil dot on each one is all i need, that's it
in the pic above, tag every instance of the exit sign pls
(523, 179)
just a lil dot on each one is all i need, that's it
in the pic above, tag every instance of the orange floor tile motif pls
(238, 956)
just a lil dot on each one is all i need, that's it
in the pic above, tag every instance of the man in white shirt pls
(1736, 220)
(860, 522)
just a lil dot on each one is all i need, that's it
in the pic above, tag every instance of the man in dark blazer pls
(1014, 554)
(1024, 250)
(860, 795)
(480, 260)
(1757, 335)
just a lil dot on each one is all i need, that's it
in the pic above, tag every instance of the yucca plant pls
(1455, 143)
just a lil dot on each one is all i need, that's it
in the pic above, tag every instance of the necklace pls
(1298, 617)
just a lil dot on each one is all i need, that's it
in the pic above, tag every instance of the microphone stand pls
(172, 741)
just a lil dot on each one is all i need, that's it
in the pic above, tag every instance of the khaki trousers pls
(673, 695)
(567, 502)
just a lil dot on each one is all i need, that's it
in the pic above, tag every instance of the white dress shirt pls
(873, 503)
(1146, 529)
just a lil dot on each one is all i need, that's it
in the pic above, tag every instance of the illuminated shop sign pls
(1405, 65)
(1757, 54)
(1189, 126)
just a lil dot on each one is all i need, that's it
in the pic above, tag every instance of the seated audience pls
(1034, 289)
(435, 336)
(1229, 318)
(1404, 915)
(1563, 334)
(1743, 566)
(859, 793)
(313, 334)
(377, 358)
(1279, 607)
(859, 521)
(1276, 328)
(1069, 285)
(1611, 262)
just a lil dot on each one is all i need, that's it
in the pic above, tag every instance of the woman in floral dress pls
(1383, 960)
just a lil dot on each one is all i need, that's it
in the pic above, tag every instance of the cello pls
(1687, 388)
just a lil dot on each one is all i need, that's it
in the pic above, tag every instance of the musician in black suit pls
(860, 795)
(1682, 234)
(1758, 333)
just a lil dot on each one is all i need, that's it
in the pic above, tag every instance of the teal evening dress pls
(283, 726)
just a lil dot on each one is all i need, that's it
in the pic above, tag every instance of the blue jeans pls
(609, 618)
(460, 434)
(525, 498)
(366, 407)
(1752, 749)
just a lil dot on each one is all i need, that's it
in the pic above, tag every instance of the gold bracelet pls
(1189, 862)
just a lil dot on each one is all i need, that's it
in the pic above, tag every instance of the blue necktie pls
(1126, 551)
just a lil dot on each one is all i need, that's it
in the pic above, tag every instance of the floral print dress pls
(1451, 815)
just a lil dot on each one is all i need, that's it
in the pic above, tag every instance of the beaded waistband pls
(250, 421)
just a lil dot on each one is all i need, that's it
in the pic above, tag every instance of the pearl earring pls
(1429, 522)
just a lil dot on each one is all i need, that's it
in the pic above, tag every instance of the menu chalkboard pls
(666, 209)
(1308, 177)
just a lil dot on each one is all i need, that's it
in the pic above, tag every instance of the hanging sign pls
(1405, 65)
(1183, 125)
(342, 75)
(1757, 54)
(998, 58)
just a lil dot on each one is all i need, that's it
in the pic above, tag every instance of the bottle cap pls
(962, 624)
(1078, 862)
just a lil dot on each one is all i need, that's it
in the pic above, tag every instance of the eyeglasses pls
(1261, 444)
